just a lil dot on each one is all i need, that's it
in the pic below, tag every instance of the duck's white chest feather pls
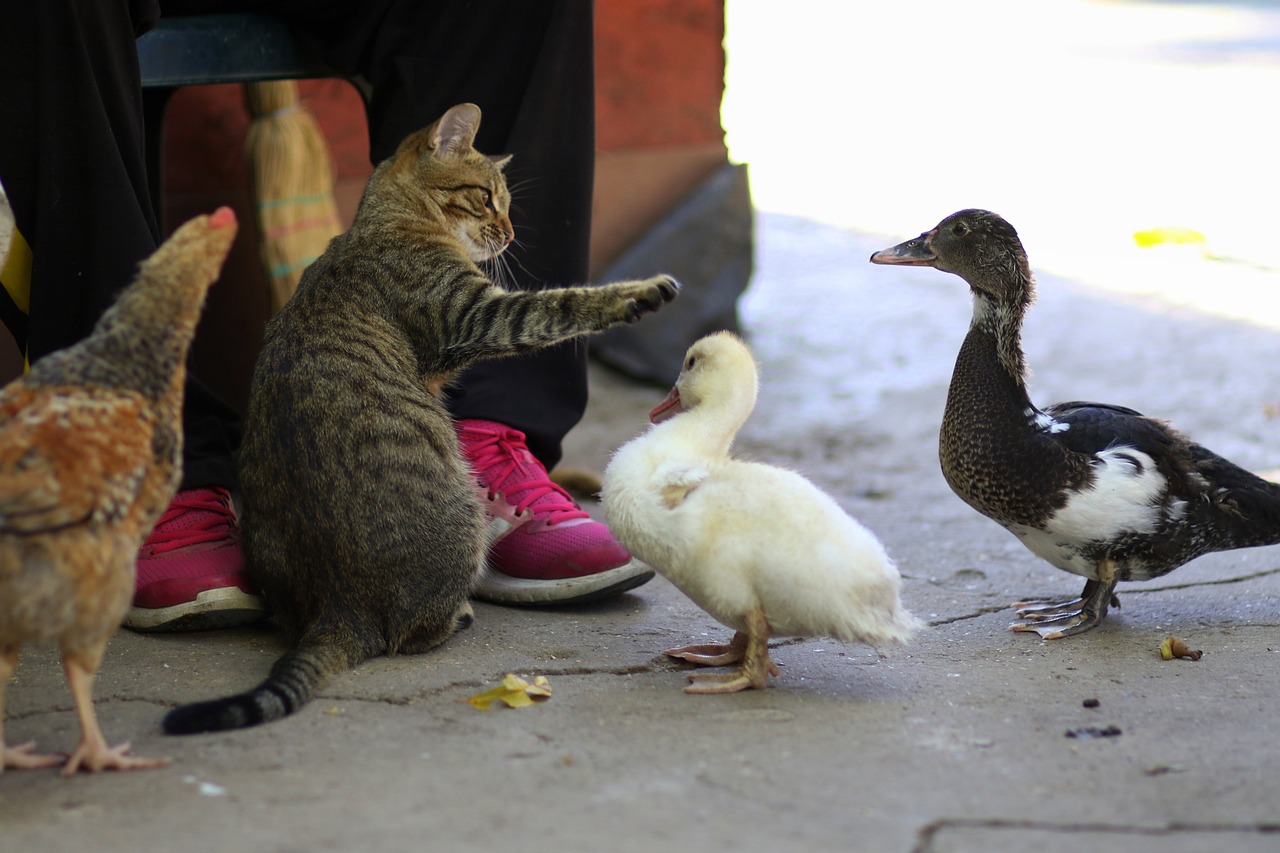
(1126, 498)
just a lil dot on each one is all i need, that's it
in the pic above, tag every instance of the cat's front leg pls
(634, 299)
(509, 322)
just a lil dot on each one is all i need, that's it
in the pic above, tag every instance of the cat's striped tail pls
(294, 679)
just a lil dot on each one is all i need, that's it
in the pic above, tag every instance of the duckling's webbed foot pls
(713, 654)
(1053, 621)
(753, 675)
(757, 666)
(709, 682)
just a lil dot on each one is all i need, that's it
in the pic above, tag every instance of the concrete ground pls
(960, 741)
(1123, 116)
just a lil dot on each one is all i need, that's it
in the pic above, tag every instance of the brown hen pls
(90, 456)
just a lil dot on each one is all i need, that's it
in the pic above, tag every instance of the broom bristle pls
(292, 176)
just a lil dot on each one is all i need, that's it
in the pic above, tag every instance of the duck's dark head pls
(977, 245)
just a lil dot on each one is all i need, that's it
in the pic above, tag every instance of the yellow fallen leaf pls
(514, 692)
(1172, 648)
(1161, 236)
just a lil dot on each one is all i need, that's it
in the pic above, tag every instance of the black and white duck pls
(1098, 490)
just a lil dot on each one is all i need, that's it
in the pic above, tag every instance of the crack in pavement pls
(928, 834)
(479, 683)
(98, 701)
(1262, 574)
(981, 611)
(472, 683)
(996, 608)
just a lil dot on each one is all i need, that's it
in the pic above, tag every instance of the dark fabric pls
(73, 167)
(76, 180)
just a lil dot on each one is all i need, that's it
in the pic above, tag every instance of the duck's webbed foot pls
(1055, 620)
(713, 654)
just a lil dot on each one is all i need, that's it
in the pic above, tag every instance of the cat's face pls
(467, 187)
(478, 207)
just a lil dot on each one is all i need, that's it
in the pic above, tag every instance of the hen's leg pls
(92, 753)
(22, 757)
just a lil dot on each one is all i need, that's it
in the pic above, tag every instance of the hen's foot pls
(25, 757)
(93, 759)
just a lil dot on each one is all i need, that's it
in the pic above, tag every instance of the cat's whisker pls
(512, 259)
(517, 190)
(496, 267)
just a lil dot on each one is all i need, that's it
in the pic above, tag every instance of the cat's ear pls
(455, 131)
(500, 160)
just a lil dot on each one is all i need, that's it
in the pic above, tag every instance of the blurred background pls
(1083, 122)
(1131, 142)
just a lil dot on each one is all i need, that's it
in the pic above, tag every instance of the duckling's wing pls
(674, 480)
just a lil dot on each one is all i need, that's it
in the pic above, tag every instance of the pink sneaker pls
(544, 549)
(191, 570)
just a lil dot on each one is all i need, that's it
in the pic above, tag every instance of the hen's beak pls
(913, 253)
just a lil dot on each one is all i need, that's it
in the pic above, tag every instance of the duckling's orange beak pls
(913, 253)
(668, 408)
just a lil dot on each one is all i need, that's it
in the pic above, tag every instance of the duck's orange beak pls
(913, 253)
(668, 408)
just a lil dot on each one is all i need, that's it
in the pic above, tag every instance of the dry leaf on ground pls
(514, 692)
(1172, 648)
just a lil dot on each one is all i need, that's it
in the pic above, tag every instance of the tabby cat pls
(360, 521)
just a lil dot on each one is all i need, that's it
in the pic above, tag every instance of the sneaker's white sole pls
(504, 589)
(213, 608)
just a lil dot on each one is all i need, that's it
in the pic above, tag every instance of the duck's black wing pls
(1241, 508)
(1093, 427)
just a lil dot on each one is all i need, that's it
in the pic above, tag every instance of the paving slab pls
(970, 738)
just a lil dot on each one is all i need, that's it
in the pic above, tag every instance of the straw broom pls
(291, 175)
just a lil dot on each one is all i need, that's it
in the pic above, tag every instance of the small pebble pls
(1093, 731)
(1091, 703)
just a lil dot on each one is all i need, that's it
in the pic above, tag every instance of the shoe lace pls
(211, 516)
(500, 457)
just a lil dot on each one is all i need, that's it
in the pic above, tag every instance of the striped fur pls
(360, 520)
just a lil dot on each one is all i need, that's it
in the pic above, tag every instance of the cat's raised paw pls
(667, 286)
(653, 294)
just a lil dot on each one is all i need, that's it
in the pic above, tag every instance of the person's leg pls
(74, 170)
(530, 68)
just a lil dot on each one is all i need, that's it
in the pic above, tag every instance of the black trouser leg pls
(73, 165)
